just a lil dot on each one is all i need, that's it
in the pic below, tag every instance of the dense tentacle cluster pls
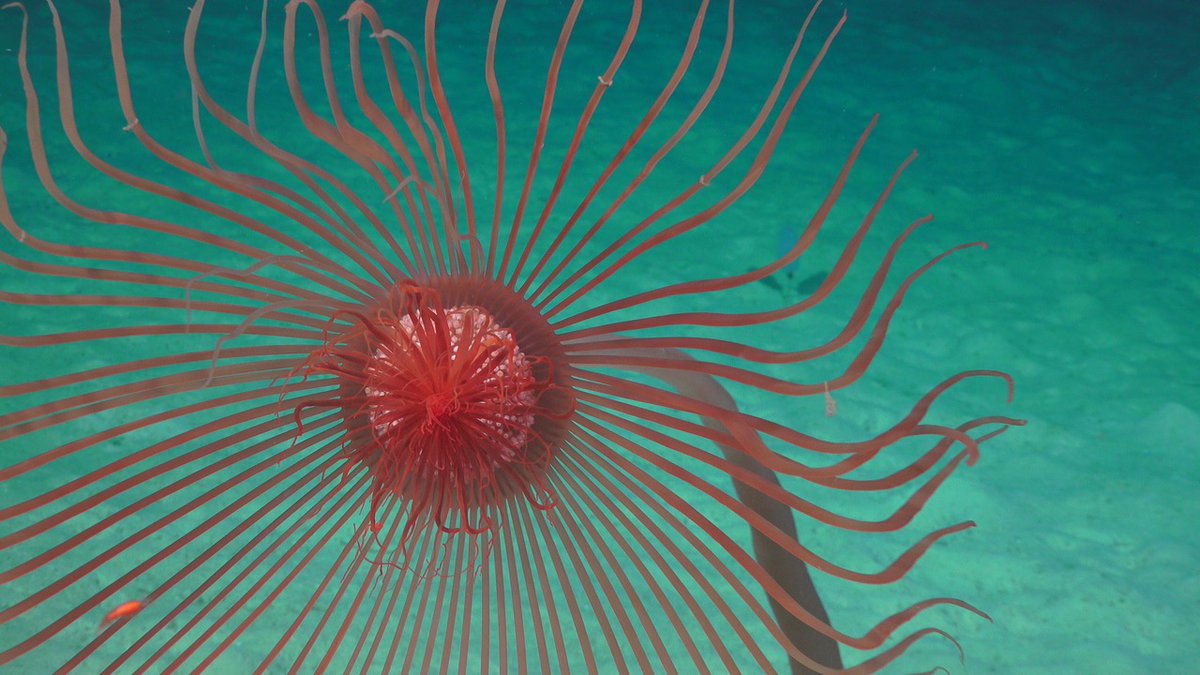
(330, 406)
(441, 404)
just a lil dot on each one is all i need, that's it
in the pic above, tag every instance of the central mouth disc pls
(449, 392)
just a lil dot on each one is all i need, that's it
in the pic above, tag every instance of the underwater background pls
(1065, 134)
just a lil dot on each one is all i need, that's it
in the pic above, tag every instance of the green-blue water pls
(1064, 134)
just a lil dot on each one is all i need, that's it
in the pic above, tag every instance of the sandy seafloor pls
(1062, 133)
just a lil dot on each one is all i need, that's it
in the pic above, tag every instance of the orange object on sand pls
(125, 611)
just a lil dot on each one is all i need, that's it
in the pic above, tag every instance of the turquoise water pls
(1061, 133)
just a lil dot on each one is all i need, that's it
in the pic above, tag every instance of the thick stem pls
(791, 573)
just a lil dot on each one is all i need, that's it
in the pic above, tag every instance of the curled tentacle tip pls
(970, 608)
(1012, 385)
(962, 656)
